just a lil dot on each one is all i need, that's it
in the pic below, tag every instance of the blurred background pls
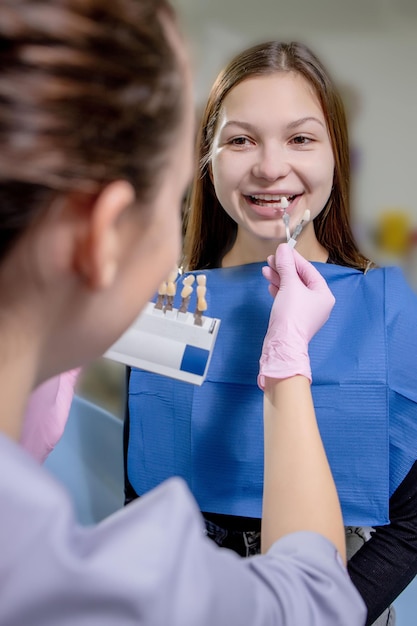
(370, 48)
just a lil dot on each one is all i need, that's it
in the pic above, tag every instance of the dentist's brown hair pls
(90, 92)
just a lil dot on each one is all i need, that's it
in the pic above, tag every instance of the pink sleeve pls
(47, 413)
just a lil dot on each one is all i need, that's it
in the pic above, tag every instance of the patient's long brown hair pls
(209, 231)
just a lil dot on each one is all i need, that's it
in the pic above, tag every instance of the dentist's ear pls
(99, 251)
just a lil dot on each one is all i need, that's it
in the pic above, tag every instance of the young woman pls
(274, 134)
(96, 133)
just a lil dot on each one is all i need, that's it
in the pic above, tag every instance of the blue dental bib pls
(364, 367)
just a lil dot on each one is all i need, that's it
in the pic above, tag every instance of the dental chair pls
(88, 461)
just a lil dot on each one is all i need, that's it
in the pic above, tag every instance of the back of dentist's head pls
(90, 92)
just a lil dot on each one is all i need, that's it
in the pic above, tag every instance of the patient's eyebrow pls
(303, 120)
(291, 125)
(244, 125)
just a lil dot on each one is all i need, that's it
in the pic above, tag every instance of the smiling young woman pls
(274, 127)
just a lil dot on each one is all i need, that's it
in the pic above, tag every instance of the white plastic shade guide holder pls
(168, 343)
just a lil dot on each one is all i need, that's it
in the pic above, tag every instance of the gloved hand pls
(302, 305)
(47, 413)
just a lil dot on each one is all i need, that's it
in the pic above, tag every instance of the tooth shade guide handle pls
(286, 220)
(162, 290)
(201, 307)
(285, 217)
(305, 219)
(185, 298)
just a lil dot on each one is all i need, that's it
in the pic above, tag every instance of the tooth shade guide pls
(171, 341)
(166, 295)
(171, 289)
(186, 291)
(185, 299)
(182, 311)
(201, 304)
(188, 280)
(173, 276)
(306, 216)
(176, 347)
(284, 203)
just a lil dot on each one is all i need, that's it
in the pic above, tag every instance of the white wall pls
(384, 128)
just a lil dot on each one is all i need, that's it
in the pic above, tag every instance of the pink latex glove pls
(302, 305)
(47, 413)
